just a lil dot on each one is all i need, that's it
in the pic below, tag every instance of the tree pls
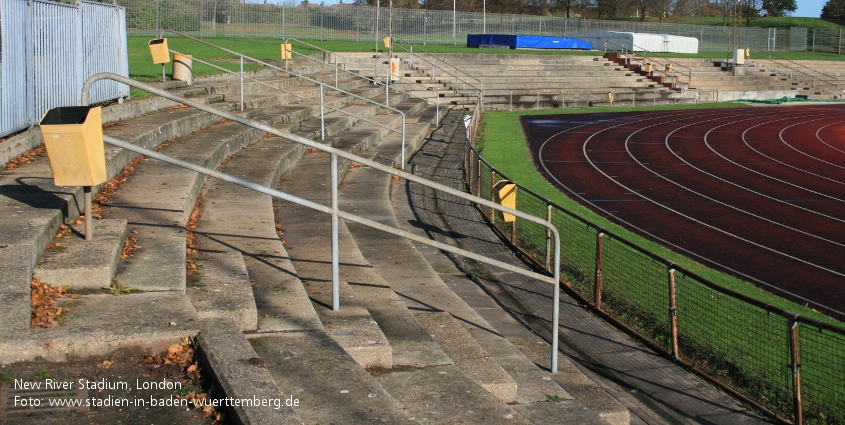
(779, 7)
(834, 11)
(751, 10)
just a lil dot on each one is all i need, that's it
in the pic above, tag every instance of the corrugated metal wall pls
(49, 49)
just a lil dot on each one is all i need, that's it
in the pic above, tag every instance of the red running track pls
(758, 192)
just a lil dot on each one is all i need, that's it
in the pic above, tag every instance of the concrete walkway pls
(652, 387)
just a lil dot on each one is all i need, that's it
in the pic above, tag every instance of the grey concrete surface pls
(81, 264)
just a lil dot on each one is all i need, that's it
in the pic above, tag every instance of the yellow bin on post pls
(183, 68)
(648, 67)
(73, 136)
(159, 51)
(287, 51)
(504, 193)
(386, 42)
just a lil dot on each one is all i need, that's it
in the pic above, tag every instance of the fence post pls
(673, 313)
(549, 238)
(493, 195)
(796, 370)
(242, 83)
(839, 50)
(599, 261)
(478, 179)
(513, 223)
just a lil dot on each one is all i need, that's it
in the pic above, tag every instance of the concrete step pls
(221, 289)
(80, 264)
(241, 220)
(329, 385)
(473, 360)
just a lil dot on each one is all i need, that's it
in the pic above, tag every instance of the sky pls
(809, 8)
(806, 8)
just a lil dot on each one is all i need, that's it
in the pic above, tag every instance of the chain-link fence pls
(790, 365)
(249, 19)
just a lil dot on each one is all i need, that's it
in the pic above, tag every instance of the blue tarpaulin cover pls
(527, 41)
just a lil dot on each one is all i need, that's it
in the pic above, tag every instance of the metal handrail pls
(338, 68)
(322, 104)
(333, 209)
(433, 66)
(689, 70)
(318, 82)
(801, 72)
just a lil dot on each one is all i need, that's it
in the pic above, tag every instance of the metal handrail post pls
(336, 80)
(322, 115)
(335, 243)
(242, 83)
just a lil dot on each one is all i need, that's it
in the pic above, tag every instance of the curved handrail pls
(333, 210)
(272, 87)
(338, 68)
(404, 118)
(807, 67)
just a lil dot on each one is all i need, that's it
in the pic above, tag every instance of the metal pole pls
(673, 314)
(556, 306)
(538, 100)
(335, 250)
(513, 223)
(242, 83)
(492, 195)
(633, 98)
(840, 42)
(89, 214)
(478, 180)
(511, 104)
(796, 371)
(378, 8)
(336, 83)
(484, 17)
(599, 261)
(454, 22)
(814, 39)
(163, 75)
(437, 116)
(549, 238)
(411, 57)
(322, 116)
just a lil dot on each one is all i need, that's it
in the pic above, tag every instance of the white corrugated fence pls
(49, 49)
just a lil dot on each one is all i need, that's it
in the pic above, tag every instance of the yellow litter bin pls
(647, 67)
(504, 192)
(287, 51)
(610, 97)
(159, 51)
(182, 67)
(386, 42)
(73, 136)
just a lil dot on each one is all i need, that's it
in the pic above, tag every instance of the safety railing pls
(317, 82)
(787, 365)
(323, 104)
(389, 79)
(812, 73)
(646, 54)
(478, 86)
(333, 209)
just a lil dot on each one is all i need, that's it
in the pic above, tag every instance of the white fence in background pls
(49, 49)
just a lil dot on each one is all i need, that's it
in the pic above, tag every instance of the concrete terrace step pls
(81, 264)
(239, 220)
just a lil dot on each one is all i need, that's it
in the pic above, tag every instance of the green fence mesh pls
(742, 345)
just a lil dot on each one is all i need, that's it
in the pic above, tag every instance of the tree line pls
(608, 9)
